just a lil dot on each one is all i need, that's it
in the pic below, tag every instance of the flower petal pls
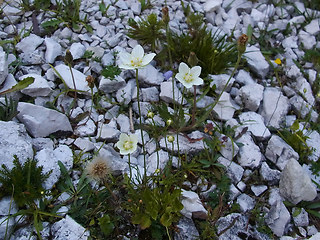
(183, 68)
(195, 71)
(197, 81)
(148, 58)
(180, 76)
(137, 52)
(125, 58)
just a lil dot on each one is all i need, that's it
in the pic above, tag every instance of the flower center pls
(136, 62)
(127, 145)
(188, 77)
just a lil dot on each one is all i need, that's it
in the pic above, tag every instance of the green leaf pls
(54, 23)
(145, 221)
(106, 225)
(166, 219)
(296, 212)
(295, 126)
(314, 213)
(20, 85)
(314, 205)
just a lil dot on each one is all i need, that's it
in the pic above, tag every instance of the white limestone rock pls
(302, 219)
(302, 108)
(258, 189)
(256, 61)
(39, 88)
(313, 27)
(107, 132)
(272, 176)
(255, 124)
(249, 153)
(153, 161)
(7, 206)
(166, 93)
(244, 78)
(185, 146)
(108, 85)
(212, 5)
(229, 148)
(295, 184)
(124, 95)
(234, 170)
(187, 230)
(274, 108)
(48, 159)
(3, 66)
(225, 108)
(313, 141)
(41, 121)
(79, 78)
(84, 144)
(77, 50)
(29, 44)
(150, 75)
(220, 81)
(53, 50)
(308, 40)
(279, 152)
(277, 218)
(68, 228)
(245, 202)
(191, 204)
(251, 96)
(14, 140)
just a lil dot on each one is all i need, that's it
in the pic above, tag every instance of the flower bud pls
(169, 122)
(170, 138)
(68, 59)
(193, 60)
(150, 114)
(242, 43)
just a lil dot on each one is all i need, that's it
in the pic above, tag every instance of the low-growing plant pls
(8, 109)
(111, 71)
(68, 13)
(23, 181)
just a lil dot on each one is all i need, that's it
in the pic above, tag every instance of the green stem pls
(222, 91)
(194, 105)
(141, 131)
(156, 142)
(75, 88)
(168, 233)
(129, 162)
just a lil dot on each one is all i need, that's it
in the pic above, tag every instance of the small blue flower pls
(167, 75)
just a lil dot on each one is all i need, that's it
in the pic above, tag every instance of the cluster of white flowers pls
(189, 77)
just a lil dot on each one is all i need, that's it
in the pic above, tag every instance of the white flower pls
(136, 59)
(189, 77)
(127, 143)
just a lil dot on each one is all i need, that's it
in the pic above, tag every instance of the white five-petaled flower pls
(136, 59)
(127, 143)
(189, 77)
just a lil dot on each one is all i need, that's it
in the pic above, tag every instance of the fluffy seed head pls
(98, 168)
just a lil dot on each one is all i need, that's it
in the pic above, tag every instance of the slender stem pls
(168, 233)
(141, 131)
(194, 105)
(156, 142)
(129, 162)
(109, 189)
(168, 41)
(74, 85)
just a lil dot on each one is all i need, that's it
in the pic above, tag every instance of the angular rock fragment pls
(295, 184)
(41, 121)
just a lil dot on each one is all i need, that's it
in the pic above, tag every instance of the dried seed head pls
(193, 60)
(242, 43)
(90, 81)
(165, 15)
(98, 168)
